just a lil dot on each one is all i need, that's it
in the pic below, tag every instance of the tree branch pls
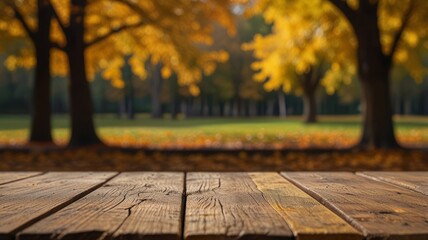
(112, 32)
(32, 34)
(399, 34)
(346, 10)
(59, 21)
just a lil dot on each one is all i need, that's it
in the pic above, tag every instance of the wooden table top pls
(206, 205)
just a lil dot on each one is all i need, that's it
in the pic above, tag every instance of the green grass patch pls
(331, 131)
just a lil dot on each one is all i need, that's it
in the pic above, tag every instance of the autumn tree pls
(25, 14)
(232, 82)
(300, 54)
(103, 32)
(386, 33)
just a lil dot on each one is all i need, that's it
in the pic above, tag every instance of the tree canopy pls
(307, 33)
(175, 34)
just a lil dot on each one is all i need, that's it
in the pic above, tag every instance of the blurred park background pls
(213, 84)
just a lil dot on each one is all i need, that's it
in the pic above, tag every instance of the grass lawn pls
(331, 131)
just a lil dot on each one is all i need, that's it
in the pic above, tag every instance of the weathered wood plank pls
(8, 177)
(307, 218)
(139, 205)
(229, 206)
(24, 202)
(379, 210)
(416, 181)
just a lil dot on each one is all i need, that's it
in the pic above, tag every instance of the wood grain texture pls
(229, 206)
(416, 181)
(379, 210)
(26, 201)
(138, 205)
(8, 177)
(307, 218)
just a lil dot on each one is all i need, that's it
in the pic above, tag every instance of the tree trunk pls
(130, 109)
(281, 103)
(270, 109)
(408, 107)
(310, 107)
(252, 108)
(175, 98)
(309, 83)
(189, 107)
(203, 104)
(41, 104)
(122, 109)
(175, 107)
(129, 89)
(156, 86)
(425, 102)
(374, 74)
(236, 107)
(221, 107)
(82, 124)
(378, 129)
(210, 106)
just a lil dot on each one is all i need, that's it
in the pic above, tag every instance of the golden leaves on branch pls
(304, 37)
(306, 33)
(173, 33)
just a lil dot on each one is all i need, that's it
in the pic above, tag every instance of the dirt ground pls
(127, 159)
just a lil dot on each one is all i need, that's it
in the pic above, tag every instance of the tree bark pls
(252, 108)
(40, 130)
(156, 86)
(221, 108)
(282, 104)
(175, 103)
(236, 107)
(310, 107)
(129, 89)
(175, 98)
(130, 107)
(374, 68)
(203, 104)
(210, 106)
(424, 101)
(378, 129)
(82, 125)
(270, 109)
(309, 83)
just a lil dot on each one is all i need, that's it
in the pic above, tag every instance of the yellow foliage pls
(173, 33)
(303, 38)
(307, 33)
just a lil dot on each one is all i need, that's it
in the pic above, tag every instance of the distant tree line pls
(215, 100)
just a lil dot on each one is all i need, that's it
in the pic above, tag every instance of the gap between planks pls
(61, 206)
(401, 215)
(415, 181)
(17, 176)
(133, 205)
(13, 223)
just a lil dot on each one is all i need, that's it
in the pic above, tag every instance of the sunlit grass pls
(331, 131)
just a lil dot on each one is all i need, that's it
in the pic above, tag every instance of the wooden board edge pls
(327, 204)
